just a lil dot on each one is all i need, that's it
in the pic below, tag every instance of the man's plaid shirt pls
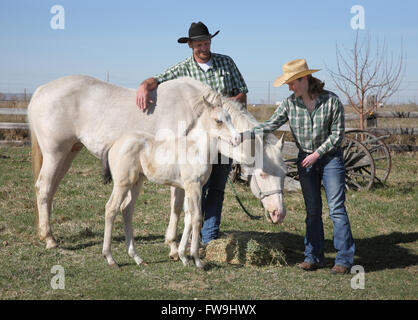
(321, 131)
(223, 77)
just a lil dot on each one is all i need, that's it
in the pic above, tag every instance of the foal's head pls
(217, 122)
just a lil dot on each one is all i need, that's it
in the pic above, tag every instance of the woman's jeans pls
(331, 171)
(212, 200)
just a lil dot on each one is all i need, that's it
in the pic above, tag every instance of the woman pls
(316, 119)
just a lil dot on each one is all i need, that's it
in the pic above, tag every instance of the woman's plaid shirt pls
(321, 131)
(223, 77)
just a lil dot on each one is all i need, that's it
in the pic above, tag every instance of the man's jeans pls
(212, 200)
(330, 169)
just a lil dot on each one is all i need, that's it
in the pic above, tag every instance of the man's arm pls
(144, 89)
(143, 92)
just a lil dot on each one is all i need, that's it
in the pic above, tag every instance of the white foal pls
(184, 162)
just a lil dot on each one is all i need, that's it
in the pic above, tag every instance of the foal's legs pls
(192, 222)
(185, 237)
(177, 200)
(113, 206)
(54, 167)
(127, 213)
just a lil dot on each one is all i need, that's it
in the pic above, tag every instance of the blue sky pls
(133, 40)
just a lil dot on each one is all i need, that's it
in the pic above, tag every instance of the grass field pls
(384, 224)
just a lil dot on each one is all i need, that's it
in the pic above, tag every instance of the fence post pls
(371, 119)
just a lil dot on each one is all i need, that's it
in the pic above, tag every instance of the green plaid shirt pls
(321, 131)
(223, 77)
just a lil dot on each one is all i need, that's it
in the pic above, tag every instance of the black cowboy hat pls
(198, 32)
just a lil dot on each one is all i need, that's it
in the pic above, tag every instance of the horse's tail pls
(106, 174)
(37, 160)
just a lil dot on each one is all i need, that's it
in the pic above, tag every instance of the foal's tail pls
(37, 160)
(106, 174)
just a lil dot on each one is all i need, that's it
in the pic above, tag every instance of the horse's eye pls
(218, 121)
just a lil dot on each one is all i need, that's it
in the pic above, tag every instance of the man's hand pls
(143, 93)
(310, 160)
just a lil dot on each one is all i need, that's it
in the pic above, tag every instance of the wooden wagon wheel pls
(359, 165)
(378, 150)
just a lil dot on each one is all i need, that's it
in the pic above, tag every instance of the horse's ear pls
(213, 98)
(280, 143)
(201, 106)
(206, 102)
(217, 101)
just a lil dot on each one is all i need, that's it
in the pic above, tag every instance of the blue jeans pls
(212, 201)
(331, 171)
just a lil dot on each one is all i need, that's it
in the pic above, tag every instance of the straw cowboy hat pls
(293, 70)
(198, 32)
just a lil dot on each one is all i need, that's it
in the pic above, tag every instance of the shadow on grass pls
(384, 251)
(65, 243)
(374, 254)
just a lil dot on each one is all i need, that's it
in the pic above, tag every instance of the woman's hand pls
(310, 160)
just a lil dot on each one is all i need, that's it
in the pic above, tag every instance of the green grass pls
(384, 224)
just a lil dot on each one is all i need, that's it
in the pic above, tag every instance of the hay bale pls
(223, 249)
(246, 248)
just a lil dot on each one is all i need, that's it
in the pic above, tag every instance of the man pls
(221, 74)
(316, 119)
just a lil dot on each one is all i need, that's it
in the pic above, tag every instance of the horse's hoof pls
(199, 264)
(51, 243)
(114, 265)
(185, 261)
(139, 261)
(174, 257)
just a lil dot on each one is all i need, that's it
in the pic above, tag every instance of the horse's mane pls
(242, 118)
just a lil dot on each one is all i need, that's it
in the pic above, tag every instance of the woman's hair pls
(316, 86)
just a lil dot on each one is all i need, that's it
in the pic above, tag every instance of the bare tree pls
(360, 75)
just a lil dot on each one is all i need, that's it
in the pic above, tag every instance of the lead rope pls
(252, 217)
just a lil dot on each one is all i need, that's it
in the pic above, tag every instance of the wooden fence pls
(373, 122)
(14, 112)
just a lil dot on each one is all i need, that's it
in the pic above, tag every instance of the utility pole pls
(107, 76)
(268, 93)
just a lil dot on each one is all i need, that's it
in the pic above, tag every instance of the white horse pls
(184, 162)
(75, 111)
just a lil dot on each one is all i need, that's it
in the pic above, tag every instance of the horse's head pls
(267, 180)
